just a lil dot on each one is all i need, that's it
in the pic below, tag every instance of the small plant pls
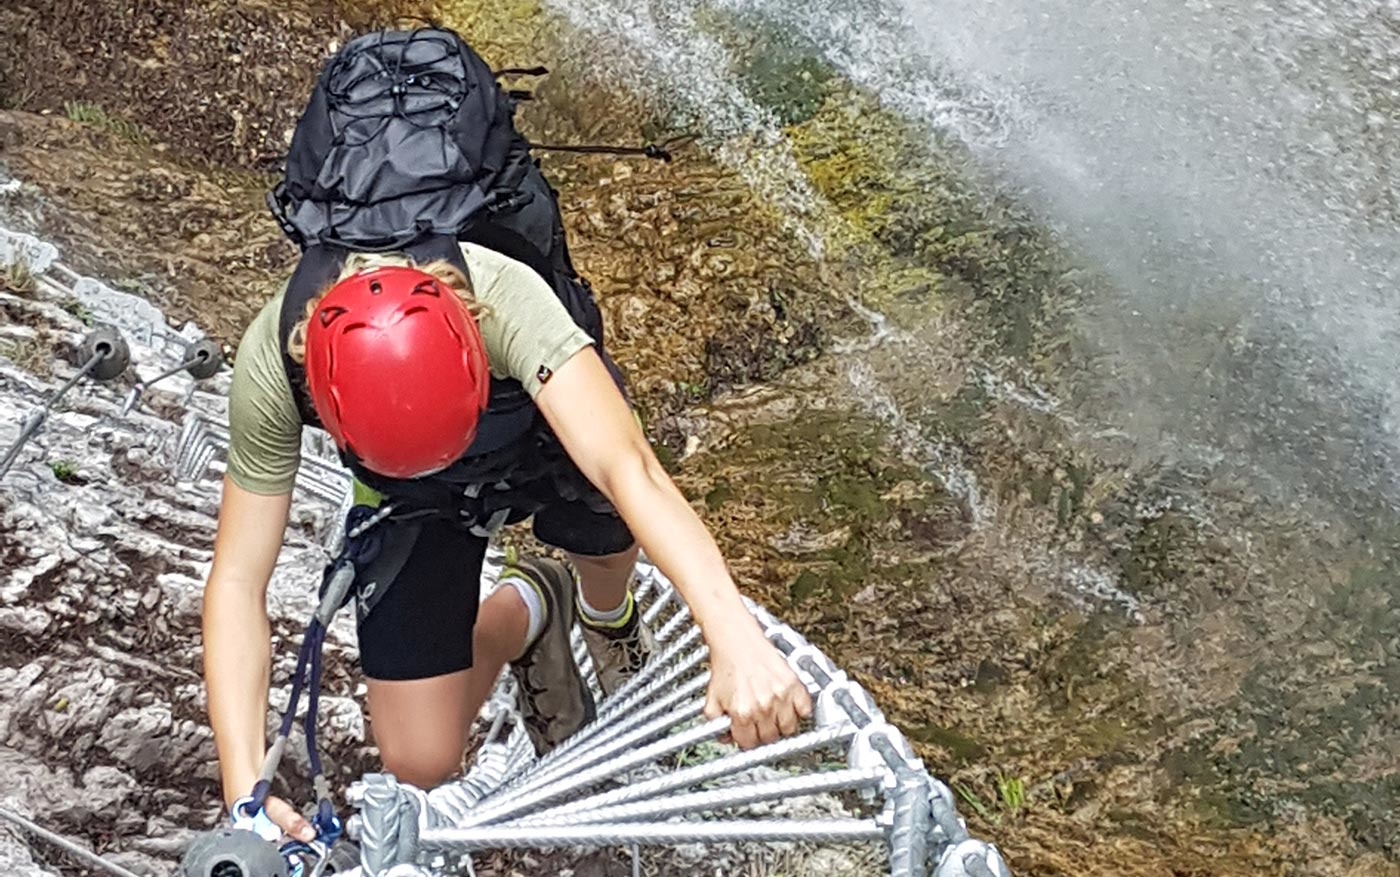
(970, 798)
(34, 355)
(16, 277)
(1011, 798)
(66, 471)
(77, 309)
(1012, 791)
(12, 98)
(693, 390)
(92, 114)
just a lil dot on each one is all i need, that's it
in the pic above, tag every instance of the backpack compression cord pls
(406, 134)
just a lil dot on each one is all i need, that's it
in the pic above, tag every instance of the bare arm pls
(750, 682)
(237, 639)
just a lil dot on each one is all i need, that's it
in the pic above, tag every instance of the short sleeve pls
(527, 331)
(264, 426)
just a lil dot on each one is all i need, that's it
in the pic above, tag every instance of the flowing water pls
(1173, 409)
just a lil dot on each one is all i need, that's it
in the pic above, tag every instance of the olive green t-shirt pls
(527, 332)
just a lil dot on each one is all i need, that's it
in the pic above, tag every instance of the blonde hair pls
(446, 273)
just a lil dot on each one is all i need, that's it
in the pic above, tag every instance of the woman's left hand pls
(752, 684)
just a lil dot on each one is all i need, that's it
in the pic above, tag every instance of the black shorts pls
(424, 587)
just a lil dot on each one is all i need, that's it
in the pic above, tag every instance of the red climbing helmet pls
(397, 371)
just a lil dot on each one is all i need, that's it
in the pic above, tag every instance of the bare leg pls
(421, 725)
(604, 580)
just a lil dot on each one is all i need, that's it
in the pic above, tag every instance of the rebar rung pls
(666, 834)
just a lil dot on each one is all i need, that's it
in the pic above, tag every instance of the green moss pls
(720, 494)
(77, 309)
(666, 457)
(808, 584)
(94, 115)
(913, 201)
(790, 83)
(1158, 553)
(66, 471)
(964, 749)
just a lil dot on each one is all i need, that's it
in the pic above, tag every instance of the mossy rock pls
(790, 83)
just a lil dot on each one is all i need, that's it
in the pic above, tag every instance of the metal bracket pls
(972, 858)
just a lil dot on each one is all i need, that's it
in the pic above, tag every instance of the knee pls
(426, 767)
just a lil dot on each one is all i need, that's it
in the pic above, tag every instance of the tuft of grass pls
(77, 309)
(8, 99)
(66, 471)
(16, 277)
(34, 355)
(971, 799)
(1012, 792)
(13, 98)
(94, 115)
(1010, 799)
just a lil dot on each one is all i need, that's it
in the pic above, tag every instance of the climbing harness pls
(361, 545)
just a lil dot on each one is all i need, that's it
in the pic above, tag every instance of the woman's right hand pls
(237, 641)
(286, 817)
(276, 820)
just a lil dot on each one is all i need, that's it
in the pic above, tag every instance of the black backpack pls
(409, 144)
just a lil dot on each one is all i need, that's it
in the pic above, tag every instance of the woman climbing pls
(467, 388)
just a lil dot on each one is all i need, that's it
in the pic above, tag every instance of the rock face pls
(243, 112)
(102, 712)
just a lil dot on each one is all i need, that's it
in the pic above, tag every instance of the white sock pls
(534, 605)
(611, 618)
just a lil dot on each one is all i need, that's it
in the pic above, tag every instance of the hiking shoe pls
(618, 652)
(554, 698)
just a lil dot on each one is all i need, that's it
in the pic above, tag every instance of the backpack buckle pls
(276, 200)
(510, 203)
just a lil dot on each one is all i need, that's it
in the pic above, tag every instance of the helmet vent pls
(375, 287)
(455, 334)
(329, 315)
(427, 287)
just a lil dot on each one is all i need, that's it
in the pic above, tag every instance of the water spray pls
(104, 355)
